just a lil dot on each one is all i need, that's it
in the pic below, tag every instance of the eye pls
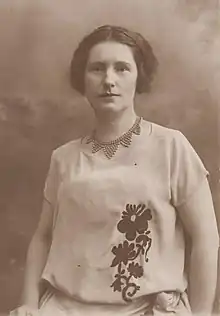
(97, 67)
(121, 67)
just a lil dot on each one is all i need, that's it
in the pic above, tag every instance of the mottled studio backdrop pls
(38, 110)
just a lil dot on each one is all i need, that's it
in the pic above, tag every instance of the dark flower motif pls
(129, 291)
(143, 239)
(134, 220)
(122, 253)
(134, 224)
(117, 284)
(135, 270)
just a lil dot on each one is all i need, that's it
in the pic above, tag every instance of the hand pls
(24, 310)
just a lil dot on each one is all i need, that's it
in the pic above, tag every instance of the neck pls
(110, 127)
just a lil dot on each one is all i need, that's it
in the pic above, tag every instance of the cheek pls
(91, 83)
(130, 85)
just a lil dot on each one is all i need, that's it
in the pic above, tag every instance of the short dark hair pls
(142, 51)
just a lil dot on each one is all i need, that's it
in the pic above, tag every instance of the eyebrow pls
(123, 63)
(95, 63)
(104, 63)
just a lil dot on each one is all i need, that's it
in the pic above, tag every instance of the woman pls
(119, 202)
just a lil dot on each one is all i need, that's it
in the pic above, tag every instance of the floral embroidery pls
(135, 270)
(122, 253)
(134, 224)
(134, 220)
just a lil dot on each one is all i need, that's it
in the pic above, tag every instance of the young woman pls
(119, 202)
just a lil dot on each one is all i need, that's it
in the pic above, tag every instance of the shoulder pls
(165, 134)
(66, 151)
(175, 140)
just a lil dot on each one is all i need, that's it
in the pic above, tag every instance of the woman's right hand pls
(24, 310)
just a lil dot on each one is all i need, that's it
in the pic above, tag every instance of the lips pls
(107, 95)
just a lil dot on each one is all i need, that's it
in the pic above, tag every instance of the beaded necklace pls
(110, 148)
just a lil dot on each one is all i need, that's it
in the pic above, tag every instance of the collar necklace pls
(110, 148)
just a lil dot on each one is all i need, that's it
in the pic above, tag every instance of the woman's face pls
(110, 77)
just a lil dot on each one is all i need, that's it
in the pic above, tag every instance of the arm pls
(198, 217)
(217, 299)
(36, 257)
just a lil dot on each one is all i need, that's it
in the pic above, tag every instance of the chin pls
(107, 106)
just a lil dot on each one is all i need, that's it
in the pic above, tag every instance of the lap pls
(166, 304)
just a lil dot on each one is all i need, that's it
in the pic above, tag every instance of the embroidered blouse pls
(117, 234)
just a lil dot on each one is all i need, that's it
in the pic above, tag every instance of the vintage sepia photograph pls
(110, 158)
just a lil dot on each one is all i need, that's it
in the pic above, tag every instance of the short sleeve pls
(52, 181)
(187, 170)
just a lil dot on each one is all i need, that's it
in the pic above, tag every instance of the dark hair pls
(142, 51)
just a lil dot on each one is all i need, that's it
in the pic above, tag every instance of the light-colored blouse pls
(117, 235)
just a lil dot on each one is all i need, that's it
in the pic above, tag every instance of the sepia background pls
(39, 111)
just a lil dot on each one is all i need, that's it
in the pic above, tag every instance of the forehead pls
(111, 52)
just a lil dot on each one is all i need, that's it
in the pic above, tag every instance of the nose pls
(109, 78)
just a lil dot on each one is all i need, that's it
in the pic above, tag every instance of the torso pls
(117, 236)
